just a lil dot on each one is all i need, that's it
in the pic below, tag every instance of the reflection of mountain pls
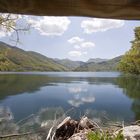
(83, 92)
(11, 84)
(16, 84)
(131, 87)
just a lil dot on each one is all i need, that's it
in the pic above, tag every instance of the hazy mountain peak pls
(96, 60)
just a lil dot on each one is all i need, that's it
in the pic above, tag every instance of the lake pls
(101, 96)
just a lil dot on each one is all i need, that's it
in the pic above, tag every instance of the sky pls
(75, 38)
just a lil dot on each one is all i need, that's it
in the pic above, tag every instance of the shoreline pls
(65, 128)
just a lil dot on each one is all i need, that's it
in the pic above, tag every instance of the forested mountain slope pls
(15, 59)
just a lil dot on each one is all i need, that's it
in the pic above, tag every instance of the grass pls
(104, 136)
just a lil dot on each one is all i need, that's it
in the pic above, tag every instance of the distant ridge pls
(16, 59)
(71, 65)
(108, 65)
(96, 60)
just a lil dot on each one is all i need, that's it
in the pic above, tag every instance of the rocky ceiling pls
(118, 9)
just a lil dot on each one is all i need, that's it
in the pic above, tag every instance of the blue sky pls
(76, 38)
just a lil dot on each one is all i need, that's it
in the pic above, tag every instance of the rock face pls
(132, 132)
(76, 129)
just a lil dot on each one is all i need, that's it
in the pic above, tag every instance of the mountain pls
(71, 65)
(16, 59)
(96, 60)
(109, 65)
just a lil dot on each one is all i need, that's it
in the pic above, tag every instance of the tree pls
(130, 62)
(8, 25)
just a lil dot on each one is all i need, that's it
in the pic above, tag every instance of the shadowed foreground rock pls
(69, 127)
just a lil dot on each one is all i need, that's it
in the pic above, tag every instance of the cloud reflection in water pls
(80, 96)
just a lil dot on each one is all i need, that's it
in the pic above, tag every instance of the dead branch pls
(15, 135)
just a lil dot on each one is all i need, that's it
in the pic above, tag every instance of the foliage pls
(130, 63)
(104, 136)
(9, 24)
(71, 65)
(15, 59)
(110, 65)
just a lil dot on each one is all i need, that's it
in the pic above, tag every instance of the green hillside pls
(71, 65)
(15, 59)
(110, 65)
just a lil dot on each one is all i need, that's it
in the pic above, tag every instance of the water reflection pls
(80, 95)
(32, 123)
(6, 121)
(77, 89)
(100, 117)
(131, 88)
(118, 98)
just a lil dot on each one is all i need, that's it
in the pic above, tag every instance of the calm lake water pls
(99, 95)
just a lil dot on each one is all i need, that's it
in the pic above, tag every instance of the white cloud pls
(87, 45)
(50, 26)
(77, 47)
(80, 43)
(85, 53)
(76, 40)
(75, 53)
(96, 25)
